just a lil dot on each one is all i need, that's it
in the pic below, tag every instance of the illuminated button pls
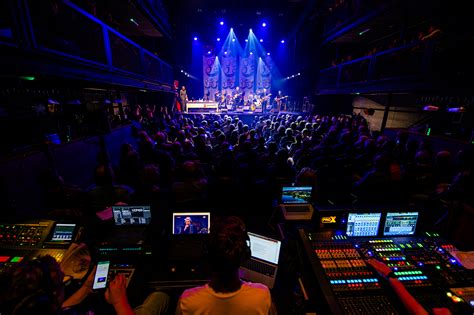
(16, 259)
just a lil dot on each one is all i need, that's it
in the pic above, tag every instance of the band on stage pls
(260, 101)
(238, 100)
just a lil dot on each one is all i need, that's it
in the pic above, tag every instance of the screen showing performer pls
(191, 223)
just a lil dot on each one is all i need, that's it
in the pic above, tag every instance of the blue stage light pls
(268, 54)
(218, 39)
(233, 39)
(246, 40)
(221, 22)
(209, 52)
(282, 41)
(264, 24)
(195, 38)
(261, 40)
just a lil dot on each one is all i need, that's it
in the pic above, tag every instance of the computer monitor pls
(131, 215)
(296, 194)
(363, 224)
(400, 223)
(191, 222)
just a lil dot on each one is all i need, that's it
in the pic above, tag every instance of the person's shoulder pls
(193, 291)
(256, 286)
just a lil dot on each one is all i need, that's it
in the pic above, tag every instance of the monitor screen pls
(363, 224)
(191, 222)
(132, 215)
(400, 223)
(296, 194)
(264, 248)
(63, 232)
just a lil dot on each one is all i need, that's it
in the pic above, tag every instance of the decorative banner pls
(229, 73)
(247, 75)
(211, 77)
(264, 74)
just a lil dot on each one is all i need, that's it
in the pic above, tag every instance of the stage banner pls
(211, 77)
(247, 76)
(229, 73)
(264, 73)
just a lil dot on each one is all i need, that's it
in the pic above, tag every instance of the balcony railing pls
(65, 30)
(409, 60)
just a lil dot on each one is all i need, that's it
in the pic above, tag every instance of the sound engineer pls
(409, 302)
(226, 293)
(37, 287)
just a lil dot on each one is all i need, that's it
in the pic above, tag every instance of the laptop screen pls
(191, 222)
(363, 224)
(264, 248)
(400, 223)
(296, 194)
(131, 215)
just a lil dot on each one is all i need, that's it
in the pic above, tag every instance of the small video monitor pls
(191, 222)
(131, 215)
(63, 232)
(296, 194)
(363, 224)
(400, 223)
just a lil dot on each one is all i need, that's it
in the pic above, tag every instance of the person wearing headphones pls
(228, 246)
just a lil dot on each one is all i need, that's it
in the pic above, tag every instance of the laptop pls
(130, 224)
(263, 264)
(295, 202)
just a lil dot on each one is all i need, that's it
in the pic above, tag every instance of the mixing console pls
(26, 241)
(422, 264)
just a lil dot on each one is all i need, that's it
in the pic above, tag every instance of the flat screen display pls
(132, 215)
(400, 223)
(191, 222)
(363, 224)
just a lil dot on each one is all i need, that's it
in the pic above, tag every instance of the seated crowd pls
(204, 160)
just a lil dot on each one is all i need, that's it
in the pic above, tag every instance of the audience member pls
(226, 293)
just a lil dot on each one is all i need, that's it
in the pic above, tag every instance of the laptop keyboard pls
(302, 208)
(259, 267)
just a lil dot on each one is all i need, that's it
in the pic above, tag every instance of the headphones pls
(228, 240)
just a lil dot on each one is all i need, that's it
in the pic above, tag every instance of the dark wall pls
(75, 161)
(333, 104)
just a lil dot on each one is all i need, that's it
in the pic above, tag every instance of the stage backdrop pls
(211, 76)
(245, 72)
(264, 74)
(229, 73)
(247, 75)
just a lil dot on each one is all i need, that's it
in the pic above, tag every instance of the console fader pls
(423, 264)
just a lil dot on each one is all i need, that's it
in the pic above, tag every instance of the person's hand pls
(381, 268)
(116, 294)
(90, 280)
(116, 291)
